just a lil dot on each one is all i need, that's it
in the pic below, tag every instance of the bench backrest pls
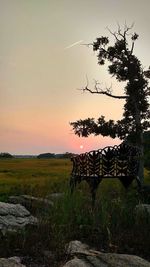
(110, 162)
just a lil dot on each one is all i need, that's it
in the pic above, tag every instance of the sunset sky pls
(43, 64)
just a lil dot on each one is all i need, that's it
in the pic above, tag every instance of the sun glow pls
(81, 146)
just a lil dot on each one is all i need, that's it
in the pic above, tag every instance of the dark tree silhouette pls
(5, 155)
(125, 67)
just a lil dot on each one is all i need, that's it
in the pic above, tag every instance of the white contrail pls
(69, 46)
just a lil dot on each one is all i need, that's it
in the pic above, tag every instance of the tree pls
(147, 149)
(46, 156)
(125, 67)
(5, 155)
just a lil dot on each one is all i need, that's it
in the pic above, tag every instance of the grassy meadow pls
(111, 226)
(37, 177)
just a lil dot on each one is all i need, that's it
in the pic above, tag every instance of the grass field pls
(111, 226)
(37, 177)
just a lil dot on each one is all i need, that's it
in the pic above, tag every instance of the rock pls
(16, 259)
(11, 262)
(76, 246)
(142, 213)
(77, 263)
(108, 260)
(86, 257)
(14, 217)
(31, 202)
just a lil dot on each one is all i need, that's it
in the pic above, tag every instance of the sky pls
(43, 64)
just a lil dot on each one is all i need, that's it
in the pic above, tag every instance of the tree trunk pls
(141, 163)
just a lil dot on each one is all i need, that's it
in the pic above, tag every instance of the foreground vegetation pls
(111, 226)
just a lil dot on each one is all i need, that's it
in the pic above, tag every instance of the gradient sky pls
(40, 70)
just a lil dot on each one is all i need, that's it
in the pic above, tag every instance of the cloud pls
(76, 43)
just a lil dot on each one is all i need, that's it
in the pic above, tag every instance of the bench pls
(121, 162)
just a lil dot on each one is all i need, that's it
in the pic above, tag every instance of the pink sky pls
(39, 77)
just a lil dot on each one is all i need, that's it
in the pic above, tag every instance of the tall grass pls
(33, 176)
(110, 226)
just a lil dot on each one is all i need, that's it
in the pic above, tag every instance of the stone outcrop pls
(14, 217)
(31, 202)
(11, 262)
(86, 257)
(76, 247)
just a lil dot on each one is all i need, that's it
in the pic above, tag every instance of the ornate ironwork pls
(120, 162)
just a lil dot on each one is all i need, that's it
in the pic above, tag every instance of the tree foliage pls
(5, 155)
(147, 149)
(125, 67)
(46, 156)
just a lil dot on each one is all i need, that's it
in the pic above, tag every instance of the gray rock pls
(30, 201)
(16, 259)
(76, 246)
(108, 260)
(11, 209)
(77, 263)
(14, 217)
(11, 262)
(86, 257)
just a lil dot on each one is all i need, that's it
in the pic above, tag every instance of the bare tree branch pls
(113, 33)
(123, 35)
(104, 93)
(100, 91)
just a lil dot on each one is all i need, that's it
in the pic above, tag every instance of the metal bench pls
(120, 162)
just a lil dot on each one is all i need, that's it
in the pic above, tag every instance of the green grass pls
(111, 226)
(33, 176)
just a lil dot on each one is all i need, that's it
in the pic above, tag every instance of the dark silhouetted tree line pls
(5, 155)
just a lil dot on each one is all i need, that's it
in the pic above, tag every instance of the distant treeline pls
(66, 155)
(5, 155)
